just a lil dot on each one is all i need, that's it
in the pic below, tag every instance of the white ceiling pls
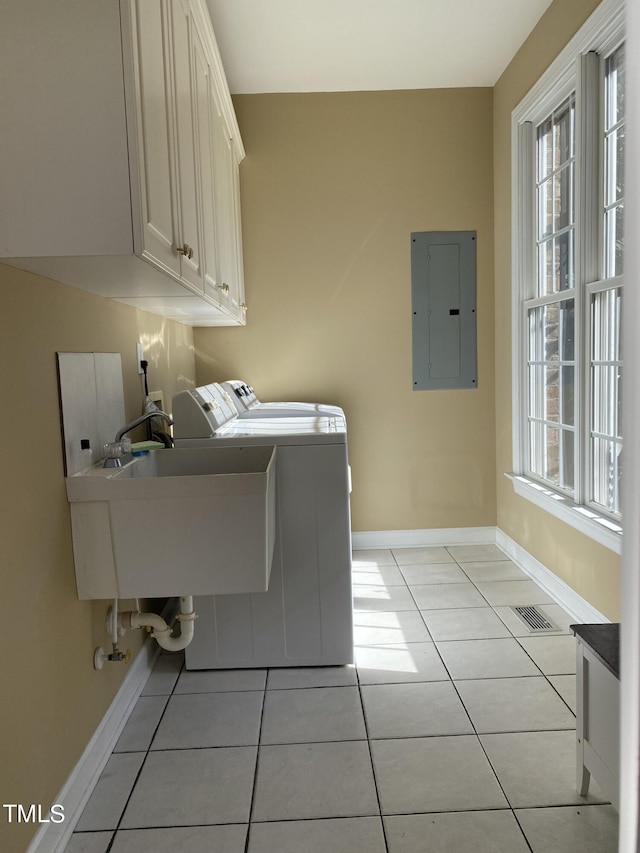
(353, 45)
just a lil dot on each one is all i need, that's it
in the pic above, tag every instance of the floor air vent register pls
(535, 621)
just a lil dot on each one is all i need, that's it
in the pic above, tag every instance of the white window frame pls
(574, 69)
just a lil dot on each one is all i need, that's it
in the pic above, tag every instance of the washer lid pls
(248, 405)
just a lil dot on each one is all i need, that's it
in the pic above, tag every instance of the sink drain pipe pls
(160, 631)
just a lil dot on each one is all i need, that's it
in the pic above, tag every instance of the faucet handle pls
(114, 451)
(113, 455)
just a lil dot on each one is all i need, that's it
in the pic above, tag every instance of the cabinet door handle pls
(186, 250)
(223, 287)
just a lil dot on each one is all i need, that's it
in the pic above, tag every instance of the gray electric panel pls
(443, 288)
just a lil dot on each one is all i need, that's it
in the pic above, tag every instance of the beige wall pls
(590, 569)
(52, 699)
(332, 187)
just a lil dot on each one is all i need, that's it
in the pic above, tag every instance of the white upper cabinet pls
(125, 151)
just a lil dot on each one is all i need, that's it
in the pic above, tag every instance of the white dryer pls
(248, 405)
(305, 617)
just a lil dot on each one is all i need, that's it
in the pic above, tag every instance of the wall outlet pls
(139, 357)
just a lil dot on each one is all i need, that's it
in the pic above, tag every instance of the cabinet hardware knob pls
(185, 249)
(223, 287)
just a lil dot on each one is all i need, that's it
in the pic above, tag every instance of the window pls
(568, 248)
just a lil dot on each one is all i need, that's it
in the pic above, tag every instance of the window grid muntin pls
(614, 150)
(555, 198)
(605, 435)
(551, 392)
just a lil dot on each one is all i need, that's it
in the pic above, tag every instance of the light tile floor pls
(453, 733)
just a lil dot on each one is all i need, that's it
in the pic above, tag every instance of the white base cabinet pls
(124, 153)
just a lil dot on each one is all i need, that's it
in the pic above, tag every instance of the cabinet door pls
(205, 113)
(153, 193)
(189, 237)
(227, 209)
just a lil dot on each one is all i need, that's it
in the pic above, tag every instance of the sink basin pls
(197, 521)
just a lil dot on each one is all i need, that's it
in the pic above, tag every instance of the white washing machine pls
(248, 405)
(305, 617)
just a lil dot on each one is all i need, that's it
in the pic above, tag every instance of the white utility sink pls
(195, 521)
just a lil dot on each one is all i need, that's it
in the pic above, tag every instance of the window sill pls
(584, 519)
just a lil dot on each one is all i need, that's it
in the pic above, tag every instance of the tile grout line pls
(517, 639)
(479, 741)
(255, 775)
(493, 770)
(144, 760)
(546, 677)
(480, 744)
(512, 809)
(526, 840)
(373, 768)
(370, 748)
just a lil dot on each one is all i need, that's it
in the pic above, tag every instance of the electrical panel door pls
(443, 286)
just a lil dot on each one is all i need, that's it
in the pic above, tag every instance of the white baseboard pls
(423, 538)
(53, 837)
(576, 606)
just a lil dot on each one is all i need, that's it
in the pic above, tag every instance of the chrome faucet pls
(114, 452)
(146, 417)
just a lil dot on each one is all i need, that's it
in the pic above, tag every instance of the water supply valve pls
(116, 656)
